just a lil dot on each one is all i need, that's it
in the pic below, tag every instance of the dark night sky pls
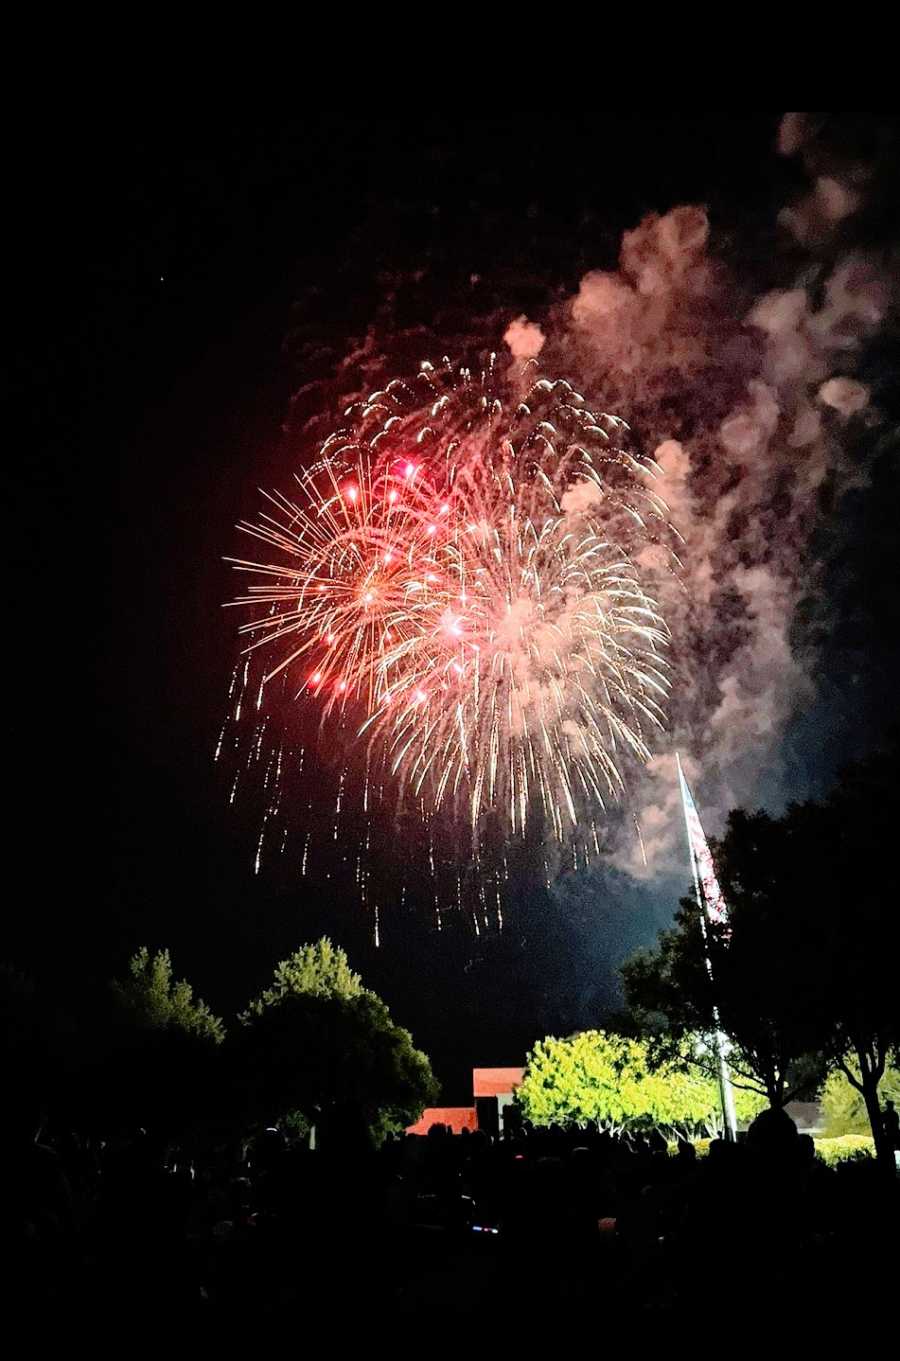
(155, 267)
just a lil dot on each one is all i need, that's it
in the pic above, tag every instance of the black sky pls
(169, 274)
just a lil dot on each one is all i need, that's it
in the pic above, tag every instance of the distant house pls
(492, 1091)
(456, 1118)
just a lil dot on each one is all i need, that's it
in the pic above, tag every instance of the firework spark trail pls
(461, 576)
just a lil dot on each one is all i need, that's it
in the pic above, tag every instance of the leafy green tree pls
(317, 1041)
(843, 1108)
(608, 1080)
(151, 998)
(320, 969)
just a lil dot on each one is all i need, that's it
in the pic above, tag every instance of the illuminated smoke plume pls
(744, 401)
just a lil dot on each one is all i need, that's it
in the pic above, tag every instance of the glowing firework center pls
(459, 574)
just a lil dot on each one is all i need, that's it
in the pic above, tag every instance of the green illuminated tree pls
(602, 1079)
(320, 969)
(843, 1107)
(151, 999)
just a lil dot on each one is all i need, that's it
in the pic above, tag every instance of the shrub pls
(847, 1147)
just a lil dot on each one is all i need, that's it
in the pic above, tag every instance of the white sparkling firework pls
(461, 578)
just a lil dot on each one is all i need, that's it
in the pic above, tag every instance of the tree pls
(155, 1054)
(804, 973)
(764, 972)
(843, 1107)
(607, 1080)
(153, 1001)
(317, 1040)
(673, 994)
(317, 970)
(859, 928)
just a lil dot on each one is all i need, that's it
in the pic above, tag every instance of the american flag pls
(701, 856)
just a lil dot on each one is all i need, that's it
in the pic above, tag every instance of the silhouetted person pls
(890, 1123)
(37, 1207)
(686, 1156)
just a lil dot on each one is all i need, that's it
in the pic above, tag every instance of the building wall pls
(495, 1081)
(457, 1117)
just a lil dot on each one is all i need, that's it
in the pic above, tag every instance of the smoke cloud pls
(744, 401)
(525, 340)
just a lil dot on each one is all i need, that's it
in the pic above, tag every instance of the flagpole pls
(726, 1094)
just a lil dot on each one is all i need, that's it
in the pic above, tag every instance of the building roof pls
(495, 1081)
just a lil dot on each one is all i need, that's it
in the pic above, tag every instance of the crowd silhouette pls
(439, 1225)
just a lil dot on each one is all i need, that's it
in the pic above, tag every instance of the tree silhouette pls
(803, 974)
(317, 1040)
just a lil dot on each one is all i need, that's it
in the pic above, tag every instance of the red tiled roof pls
(495, 1081)
(457, 1117)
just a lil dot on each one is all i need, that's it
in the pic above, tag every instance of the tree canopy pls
(153, 1000)
(317, 1039)
(803, 975)
(154, 1054)
(607, 1080)
(843, 1108)
(319, 969)
(859, 924)
(756, 986)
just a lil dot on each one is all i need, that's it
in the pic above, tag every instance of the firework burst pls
(461, 576)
